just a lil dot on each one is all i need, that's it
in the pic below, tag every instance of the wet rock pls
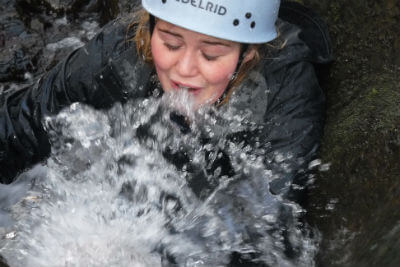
(16, 67)
(2, 40)
(106, 9)
(396, 47)
(12, 27)
(29, 28)
(37, 25)
(19, 49)
(61, 4)
(354, 203)
(39, 10)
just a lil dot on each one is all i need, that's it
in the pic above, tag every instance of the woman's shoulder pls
(121, 26)
(115, 37)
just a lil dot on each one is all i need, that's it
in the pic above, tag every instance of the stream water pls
(112, 194)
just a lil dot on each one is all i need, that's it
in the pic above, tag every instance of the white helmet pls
(243, 21)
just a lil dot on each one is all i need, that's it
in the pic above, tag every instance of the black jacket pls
(283, 94)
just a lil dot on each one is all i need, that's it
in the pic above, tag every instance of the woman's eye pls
(209, 58)
(172, 47)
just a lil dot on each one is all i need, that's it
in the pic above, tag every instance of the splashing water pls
(142, 185)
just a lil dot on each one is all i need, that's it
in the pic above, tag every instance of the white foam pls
(107, 196)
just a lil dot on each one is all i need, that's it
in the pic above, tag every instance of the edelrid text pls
(206, 5)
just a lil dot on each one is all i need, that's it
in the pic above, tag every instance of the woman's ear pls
(249, 54)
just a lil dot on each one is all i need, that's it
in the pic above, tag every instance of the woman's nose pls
(187, 64)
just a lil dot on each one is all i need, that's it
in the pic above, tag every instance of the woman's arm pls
(286, 101)
(294, 127)
(90, 74)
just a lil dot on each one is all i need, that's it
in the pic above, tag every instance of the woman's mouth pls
(190, 88)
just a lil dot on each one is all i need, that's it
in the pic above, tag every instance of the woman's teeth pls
(190, 89)
(184, 87)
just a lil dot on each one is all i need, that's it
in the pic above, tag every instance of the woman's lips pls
(191, 89)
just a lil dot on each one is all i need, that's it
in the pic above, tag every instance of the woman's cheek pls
(161, 55)
(219, 74)
(159, 59)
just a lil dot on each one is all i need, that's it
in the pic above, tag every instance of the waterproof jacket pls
(283, 95)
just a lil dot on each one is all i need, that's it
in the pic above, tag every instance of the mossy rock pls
(355, 203)
(363, 147)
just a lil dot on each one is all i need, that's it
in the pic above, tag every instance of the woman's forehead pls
(180, 31)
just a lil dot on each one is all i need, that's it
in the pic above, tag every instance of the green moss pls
(374, 92)
(362, 136)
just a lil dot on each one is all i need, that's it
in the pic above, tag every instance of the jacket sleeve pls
(294, 126)
(23, 139)
(287, 106)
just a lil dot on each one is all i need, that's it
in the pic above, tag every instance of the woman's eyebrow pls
(172, 33)
(209, 42)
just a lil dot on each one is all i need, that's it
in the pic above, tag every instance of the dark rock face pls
(355, 204)
(28, 28)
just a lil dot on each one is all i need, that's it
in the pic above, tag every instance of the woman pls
(215, 50)
(209, 51)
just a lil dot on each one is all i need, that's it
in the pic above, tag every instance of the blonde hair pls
(142, 39)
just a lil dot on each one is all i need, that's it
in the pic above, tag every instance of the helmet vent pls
(236, 22)
(248, 15)
(253, 24)
(163, 1)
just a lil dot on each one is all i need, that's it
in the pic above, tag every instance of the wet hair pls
(142, 38)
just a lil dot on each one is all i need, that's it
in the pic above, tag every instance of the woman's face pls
(186, 60)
